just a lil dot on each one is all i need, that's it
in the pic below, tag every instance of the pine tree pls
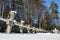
(45, 24)
(54, 9)
(40, 7)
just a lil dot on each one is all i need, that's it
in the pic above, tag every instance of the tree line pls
(31, 10)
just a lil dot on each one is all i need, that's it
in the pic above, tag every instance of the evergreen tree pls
(41, 7)
(46, 21)
(54, 9)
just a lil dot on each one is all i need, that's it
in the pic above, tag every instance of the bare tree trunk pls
(25, 14)
(2, 10)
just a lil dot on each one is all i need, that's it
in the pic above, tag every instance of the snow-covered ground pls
(41, 36)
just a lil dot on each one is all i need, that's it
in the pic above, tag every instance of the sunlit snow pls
(38, 36)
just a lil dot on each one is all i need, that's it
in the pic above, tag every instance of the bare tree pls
(3, 4)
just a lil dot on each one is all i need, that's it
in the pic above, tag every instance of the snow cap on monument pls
(11, 12)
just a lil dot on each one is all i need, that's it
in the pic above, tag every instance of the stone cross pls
(28, 28)
(55, 30)
(10, 21)
(21, 26)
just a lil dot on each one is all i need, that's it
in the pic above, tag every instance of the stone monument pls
(10, 21)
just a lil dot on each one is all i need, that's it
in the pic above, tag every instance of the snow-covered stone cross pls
(55, 30)
(10, 21)
(21, 25)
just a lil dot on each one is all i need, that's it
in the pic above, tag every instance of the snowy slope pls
(41, 36)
